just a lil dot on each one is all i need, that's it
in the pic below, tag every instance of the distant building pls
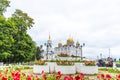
(70, 48)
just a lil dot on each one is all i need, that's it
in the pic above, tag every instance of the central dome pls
(59, 43)
(70, 40)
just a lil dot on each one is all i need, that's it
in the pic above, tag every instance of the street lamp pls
(46, 50)
(81, 50)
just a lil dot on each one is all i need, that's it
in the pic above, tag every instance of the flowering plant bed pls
(19, 75)
(89, 62)
(63, 55)
(65, 63)
(40, 62)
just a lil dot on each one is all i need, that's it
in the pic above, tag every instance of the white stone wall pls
(69, 50)
(65, 69)
(77, 68)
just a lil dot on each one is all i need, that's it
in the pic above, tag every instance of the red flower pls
(102, 76)
(59, 73)
(4, 78)
(118, 76)
(66, 78)
(108, 76)
(58, 77)
(29, 78)
(77, 77)
(71, 78)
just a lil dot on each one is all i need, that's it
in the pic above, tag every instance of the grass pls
(117, 62)
(110, 70)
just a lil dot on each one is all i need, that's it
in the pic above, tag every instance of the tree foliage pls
(3, 6)
(39, 52)
(15, 44)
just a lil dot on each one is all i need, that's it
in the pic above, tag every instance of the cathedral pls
(70, 48)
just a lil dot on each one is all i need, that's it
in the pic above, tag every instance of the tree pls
(39, 52)
(3, 6)
(23, 47)
(6, 38)
(15, 44)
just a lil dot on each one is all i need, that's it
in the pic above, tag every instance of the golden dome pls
(59, 43)
(77, 42)
(70, 40)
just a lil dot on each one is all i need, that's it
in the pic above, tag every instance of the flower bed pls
(63, 55)
(65, 63)
(40, 62)
(89, 62)
(18, 75)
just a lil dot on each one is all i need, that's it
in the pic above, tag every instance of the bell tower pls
(49, 51)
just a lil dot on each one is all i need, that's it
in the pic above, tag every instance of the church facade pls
(70, 48)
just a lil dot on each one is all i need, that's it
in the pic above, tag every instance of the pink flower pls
(44, 76)
(98, 76)
(42, 72)
(82, 75)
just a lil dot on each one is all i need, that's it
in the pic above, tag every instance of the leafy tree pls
(15, 44)
(3, 6)
(23, 47)
(6, 38)
(39, 52)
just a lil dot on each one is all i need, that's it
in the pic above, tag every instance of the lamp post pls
(81, 50)
(46, 50)
(76, 51)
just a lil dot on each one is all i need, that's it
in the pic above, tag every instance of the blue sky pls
(93, 22)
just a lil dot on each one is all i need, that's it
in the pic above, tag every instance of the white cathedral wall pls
(71, 50)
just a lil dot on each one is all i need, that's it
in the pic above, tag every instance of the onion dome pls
(70, 40)
(77, 42)
(60, 44)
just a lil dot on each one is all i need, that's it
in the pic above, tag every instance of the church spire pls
(49, 38)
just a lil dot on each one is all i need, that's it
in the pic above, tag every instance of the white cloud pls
(95, 22)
